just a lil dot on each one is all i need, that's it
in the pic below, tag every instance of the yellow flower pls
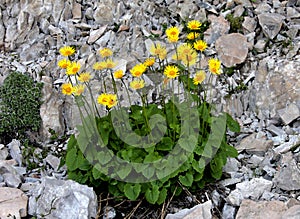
(158, 50)
(73, 68)
(184, 49)
(192, 35)
(84, 77)
(118, 74)
(137, 84)
(64, 63)
(189, 59)
(214, 66)
(108, 100)
(200, 45)
(99, 65)
(199, 77)
(67, 51)
(109, 63)
(78, 89)
(172, 34)
(171, 71)
(105, 52)
(67, 88)
(149, 62)
(138, 70)
(194, 25)
(187, 54)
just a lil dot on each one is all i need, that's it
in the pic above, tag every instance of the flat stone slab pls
(13, 203)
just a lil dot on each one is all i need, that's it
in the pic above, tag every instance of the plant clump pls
(20, 101)
(152, 148)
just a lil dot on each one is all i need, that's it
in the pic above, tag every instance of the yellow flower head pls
(200, 45)
(109, 63)
(214, 66)
(172, 34)
(137, 84)
(108, 100)
(73, 68)
(67, 88)
(159, 51)
(189, 59)
(184, 49)
(78, 89)
(199, 77)
(118, 74)
(64, 63)
(85, 77)
(187, 54)
(192, 36)
(99, 65)
(171, 71)
(105, 52)
(138, 70)
(149, 62)
(67, 51)
(194, 25)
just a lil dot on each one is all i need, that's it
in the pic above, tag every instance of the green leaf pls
(152, 194)
(232, 124)
(124, 171)
(150, 158)
(162, 196)
(216, 166)
(132, 191)
(96, 173)
(71, 159)
(82, 163)
(148, 172)
(166, 144)
(188, 144)
(104, 157)
(72, 142)
(231, 151)
(186, 180)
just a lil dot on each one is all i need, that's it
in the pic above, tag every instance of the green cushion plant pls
(20, 101)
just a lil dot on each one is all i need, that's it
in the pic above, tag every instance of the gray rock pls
(51, 109)
(201, 211)
(294, 141)
(3, 153)
(249, 189)
(289, 114)
(109, 212)
(232, 165)
(13, 203)
(292, 213)
(53, 161)
(249, 24)
(277, 131)
(104, 12)
(15, 151)
(12, 180)
(96, 34)
(218, 27)
(250, 209)
(232, 49)
(288, 176)
(254, 145)
(260, 45)
(62, 199)
(228, 212)
(274, 87)
(271, 23)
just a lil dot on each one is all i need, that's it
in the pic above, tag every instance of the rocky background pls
(264, 181)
